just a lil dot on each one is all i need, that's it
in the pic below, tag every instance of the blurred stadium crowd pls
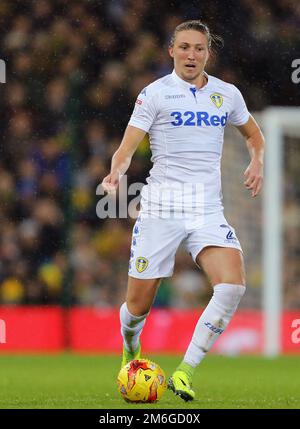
(74, 69)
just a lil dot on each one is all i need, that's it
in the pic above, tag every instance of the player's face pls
(190, 52)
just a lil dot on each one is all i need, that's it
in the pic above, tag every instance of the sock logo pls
(213, 328)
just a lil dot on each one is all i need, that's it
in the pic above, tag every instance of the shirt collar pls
(185, 84)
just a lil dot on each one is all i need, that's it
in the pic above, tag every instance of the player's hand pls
(110, 183)
(254, 177)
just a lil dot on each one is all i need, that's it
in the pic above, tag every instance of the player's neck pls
(200, 81)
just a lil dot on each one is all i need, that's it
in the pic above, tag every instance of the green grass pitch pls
(89, 381)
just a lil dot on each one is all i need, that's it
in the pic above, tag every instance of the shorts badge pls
(141, 264)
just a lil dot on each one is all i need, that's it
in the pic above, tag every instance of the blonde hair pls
(213, 40)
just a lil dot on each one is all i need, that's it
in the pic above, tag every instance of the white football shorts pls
(155, 242)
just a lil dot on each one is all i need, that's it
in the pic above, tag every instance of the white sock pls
(213, 321)
(131, 327)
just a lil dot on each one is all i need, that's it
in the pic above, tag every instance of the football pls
(141, 381)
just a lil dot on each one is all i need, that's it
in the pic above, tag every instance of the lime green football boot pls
(129, 356)
(181, 385)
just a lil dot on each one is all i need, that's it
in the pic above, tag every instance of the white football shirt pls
(186, 132)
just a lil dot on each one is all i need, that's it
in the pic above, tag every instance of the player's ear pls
(171, 52)
(209, 55)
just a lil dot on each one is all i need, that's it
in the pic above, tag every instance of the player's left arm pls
(255, 142)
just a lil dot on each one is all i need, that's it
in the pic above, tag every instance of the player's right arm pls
(122, 158)
(142, 118)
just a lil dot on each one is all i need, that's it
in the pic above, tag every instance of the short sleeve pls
(144, 112)
(239, 114)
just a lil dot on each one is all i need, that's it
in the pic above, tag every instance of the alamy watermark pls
(296, 73)
(2, 71)
(2, 332)
(176, 200)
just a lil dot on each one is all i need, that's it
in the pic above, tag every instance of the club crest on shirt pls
(217, 99)
(141, 264)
